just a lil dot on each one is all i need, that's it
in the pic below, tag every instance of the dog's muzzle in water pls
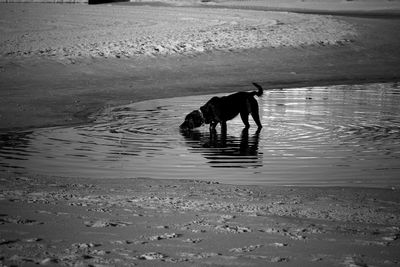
(193, 120)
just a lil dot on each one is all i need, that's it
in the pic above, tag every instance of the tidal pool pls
(347, 135)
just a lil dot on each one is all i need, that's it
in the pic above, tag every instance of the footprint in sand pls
(197, 256)
(245, 249)
(84, 246)
(164, 236)
(232, 229)
(152, 256)
(106, 223)
(19, 220)
(104, 210)
(295, 235)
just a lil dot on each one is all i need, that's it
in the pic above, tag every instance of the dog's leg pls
(223, 127)
(256, 118)
(254, 113)
(213, 125)
(213, 137)
(244, 115)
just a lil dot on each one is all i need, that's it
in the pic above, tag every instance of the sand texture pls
(59, 64)
(147, 222)
(119, 31)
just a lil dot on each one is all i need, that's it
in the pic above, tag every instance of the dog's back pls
(236, 99)
(227, 107)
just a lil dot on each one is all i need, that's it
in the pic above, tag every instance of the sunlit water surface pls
(337, 135)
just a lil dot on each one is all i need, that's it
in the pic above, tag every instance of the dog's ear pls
(197, 119)
(206, 113)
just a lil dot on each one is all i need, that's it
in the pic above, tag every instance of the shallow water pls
(337, 135)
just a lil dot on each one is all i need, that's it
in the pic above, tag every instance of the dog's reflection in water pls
(224, 150)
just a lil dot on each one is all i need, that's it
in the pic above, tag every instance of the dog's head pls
(193, 120)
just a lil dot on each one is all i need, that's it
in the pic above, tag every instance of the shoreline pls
(89, 115)
(55, 104)
(43, 91)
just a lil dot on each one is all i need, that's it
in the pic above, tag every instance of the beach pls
(146, 222)
(60, 65)
(60, 69)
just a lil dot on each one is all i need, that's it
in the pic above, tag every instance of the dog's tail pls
(260, 90)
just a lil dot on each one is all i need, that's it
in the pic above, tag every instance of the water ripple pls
(335, 135)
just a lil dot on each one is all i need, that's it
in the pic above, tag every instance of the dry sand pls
(121, 31)
(59, 64)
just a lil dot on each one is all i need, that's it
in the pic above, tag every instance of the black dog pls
(222, 109)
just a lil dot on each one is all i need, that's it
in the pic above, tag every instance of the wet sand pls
(146, 222)
(125, 222)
